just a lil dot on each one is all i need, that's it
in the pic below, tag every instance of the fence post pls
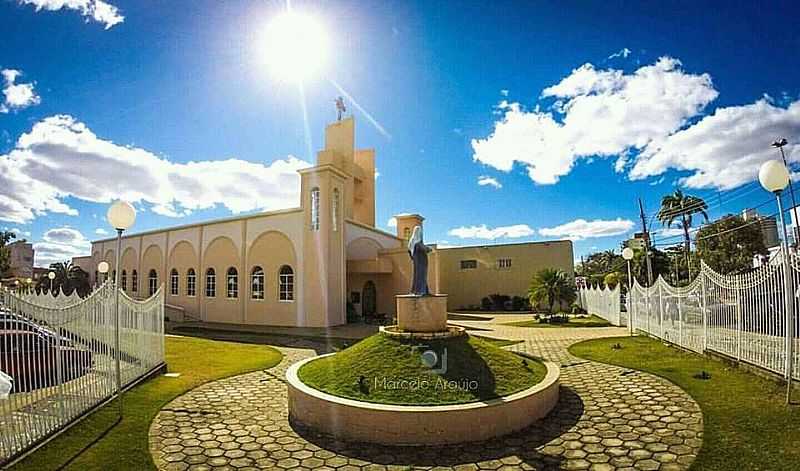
(660, 312)
(680, 320)
(703, 306)
(736, 285)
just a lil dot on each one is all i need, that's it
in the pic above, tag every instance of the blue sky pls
(168, 104)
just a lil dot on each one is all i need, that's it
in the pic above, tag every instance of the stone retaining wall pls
(348, 419)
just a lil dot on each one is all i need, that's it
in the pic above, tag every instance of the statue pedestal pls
(422, 313)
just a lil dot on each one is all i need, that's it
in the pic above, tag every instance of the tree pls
(5, 253)
(611, 280)
(679, 206)
(551, 286)
(729, 244)
(596, 266)
(68, 278)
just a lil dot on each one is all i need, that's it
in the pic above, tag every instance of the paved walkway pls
(607, 418)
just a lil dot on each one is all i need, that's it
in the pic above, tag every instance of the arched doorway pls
(369, 300)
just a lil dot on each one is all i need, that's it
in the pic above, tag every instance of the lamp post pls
(778, 144)
(28, 283)
(627, 254)
(51, 276)
(121, 215)
(774, 177)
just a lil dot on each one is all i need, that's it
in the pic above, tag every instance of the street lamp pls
(51, 276)
(774, 177)
(778, 144)
(627, 254)
(121, 215)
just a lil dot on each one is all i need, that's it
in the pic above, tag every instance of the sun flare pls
(294, 46)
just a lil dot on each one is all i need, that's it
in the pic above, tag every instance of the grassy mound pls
(386, 370)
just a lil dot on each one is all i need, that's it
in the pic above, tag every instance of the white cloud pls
(59, 245)
(16, 96)
(624, 53)
(377, 174)
(580, 229)
(101, 231)
(504, 92)
(484, 180)
(97, 10)
(483, 232)
(392, 222)
(62, 157)
(602, 112)
(726, 149)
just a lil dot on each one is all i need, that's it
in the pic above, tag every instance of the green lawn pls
(747, 425)
(591, 321)
(393, 372)
(498, 342)
(125, 447)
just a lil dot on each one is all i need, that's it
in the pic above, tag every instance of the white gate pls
(63, 359)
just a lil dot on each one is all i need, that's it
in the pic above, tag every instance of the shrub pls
(486, 304)
(518, 303)
(577, 309)
(499, 301)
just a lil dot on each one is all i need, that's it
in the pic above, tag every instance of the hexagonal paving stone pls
(604, 421)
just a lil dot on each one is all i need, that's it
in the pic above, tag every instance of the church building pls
(301, 266)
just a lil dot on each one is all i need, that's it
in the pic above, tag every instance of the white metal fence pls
(63, 359)
(740, 316)
(603, 302)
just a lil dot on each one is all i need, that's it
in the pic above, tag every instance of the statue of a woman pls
(419, 258)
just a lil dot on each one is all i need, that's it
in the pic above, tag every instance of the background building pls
(20, 259)
(767, 224)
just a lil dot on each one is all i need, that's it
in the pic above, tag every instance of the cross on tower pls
(340, 107)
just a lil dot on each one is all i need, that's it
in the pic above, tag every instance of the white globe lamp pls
(627, 253)
(121, 215)
(103, 267)
(773, 176)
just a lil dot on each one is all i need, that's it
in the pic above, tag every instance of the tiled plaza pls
(608, 418)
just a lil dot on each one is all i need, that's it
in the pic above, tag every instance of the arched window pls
(152, 282)
(257, 283)
(124, 281)
(286, 284)
(173, 282)
(335, 209)
(315, 209)
(96, 277)
(232, 282)
(211, 283)
(134, 282)
(114, 275)
(191, 283)
(407, 233)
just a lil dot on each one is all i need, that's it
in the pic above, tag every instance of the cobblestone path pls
(607, 418)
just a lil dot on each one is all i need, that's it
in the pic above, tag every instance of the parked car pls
(32, 360)
(11, 321)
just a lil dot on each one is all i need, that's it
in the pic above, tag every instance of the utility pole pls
(646, 244)
(779, 143)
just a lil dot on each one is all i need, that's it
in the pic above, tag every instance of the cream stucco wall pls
(467, 287)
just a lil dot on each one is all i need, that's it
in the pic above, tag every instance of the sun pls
(294, 46)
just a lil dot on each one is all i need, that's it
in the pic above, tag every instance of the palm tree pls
(552, 286)
(68, 278)
(679, 206)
